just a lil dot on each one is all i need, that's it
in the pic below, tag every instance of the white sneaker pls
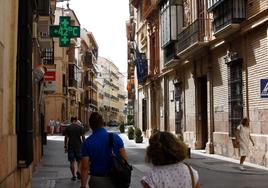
(241, 167)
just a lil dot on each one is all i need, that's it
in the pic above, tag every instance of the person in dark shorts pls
(74, 136)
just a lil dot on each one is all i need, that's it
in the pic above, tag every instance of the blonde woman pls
(167, 153)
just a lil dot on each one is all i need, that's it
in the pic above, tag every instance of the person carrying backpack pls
(96, 155)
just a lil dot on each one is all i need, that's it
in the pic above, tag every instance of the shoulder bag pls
(120, 169)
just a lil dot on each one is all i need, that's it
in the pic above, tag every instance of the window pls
(165, 23)
(235, 95)
(228, 12)
(48, 56)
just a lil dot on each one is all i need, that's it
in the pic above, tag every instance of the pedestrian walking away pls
(97, 155)
(166, 153)
(243, 138)
(74, 136)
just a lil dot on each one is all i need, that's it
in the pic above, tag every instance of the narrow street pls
(53, 171)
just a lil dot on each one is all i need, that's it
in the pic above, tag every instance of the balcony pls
(227, 16)
(88, 60)
(170, 53)
(149, 7)
(130, 27)
(91, 103)
(194, 37)
(48, 56)
(93, 85)
(43, 7)
(114, 98)
(212, 4)
(42, 31)
(72, 83)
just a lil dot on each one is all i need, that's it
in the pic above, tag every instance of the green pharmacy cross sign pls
(64, 31)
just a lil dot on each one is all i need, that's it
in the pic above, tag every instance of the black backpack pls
(120, 169)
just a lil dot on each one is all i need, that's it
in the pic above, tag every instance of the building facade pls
(111, 92)
(89, 51)
(212, 73)
(63, 78)
(21, 88)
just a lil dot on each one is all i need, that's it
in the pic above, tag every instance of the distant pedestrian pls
(243, 138)
(74, 136)
(166, 153)
(52, 125)
(96, 155)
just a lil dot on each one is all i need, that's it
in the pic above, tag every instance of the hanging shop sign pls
(64, 31)
(39, 72)
(50, 79)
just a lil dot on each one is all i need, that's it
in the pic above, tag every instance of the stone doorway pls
(202, 109)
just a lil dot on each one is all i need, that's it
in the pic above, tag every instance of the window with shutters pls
(227, 12)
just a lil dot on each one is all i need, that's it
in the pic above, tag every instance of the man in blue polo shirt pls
(96, 154)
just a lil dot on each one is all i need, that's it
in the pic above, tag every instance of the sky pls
(106, 19)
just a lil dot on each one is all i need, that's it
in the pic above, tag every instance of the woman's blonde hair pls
(164, 148)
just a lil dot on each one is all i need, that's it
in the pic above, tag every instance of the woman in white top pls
(243, 138)
(166, 153)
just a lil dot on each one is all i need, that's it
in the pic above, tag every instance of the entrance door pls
(144, 115)
(202, 111)
(178, 108)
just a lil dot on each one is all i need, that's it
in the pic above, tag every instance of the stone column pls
(210, 145)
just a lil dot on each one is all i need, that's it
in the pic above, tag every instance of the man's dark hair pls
(95, 121)
(73, 118)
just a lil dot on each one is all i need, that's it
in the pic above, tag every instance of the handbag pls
(192, 174)
(120, 169)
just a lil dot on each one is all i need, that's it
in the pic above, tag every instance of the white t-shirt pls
(171, 176)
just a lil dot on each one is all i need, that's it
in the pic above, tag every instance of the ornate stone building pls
(212, 73)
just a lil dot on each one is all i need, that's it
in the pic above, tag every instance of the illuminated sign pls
(64, 31)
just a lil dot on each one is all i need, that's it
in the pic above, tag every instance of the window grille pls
(235, 95)
(48, 56)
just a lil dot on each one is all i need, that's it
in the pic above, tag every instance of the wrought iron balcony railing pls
(198, 32)
(72, 82)
(91, 102)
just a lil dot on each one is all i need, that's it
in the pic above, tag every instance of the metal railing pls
(72, 82)
(197, 32)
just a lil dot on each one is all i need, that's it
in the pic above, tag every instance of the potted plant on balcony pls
(130, 133)
(138, 135)
(122, 127)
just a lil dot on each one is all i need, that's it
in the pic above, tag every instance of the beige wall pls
(254, 54)
(10, 176)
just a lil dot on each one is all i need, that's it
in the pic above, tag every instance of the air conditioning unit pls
(44, 34)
